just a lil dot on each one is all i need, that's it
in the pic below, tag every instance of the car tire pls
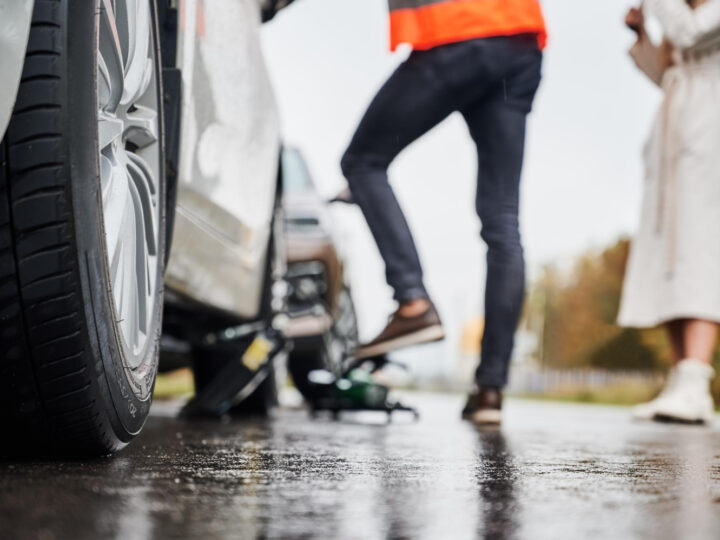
(76, 376)
(325, 352)
(301, 363)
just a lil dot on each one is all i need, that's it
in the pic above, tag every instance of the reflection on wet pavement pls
(554, 472)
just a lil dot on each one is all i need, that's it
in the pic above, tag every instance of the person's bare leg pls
(699, 339)
(675, 331)
(414, 308)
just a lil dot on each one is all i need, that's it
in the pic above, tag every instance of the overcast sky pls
(583, 173)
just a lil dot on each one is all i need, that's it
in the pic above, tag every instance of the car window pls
(296, 177)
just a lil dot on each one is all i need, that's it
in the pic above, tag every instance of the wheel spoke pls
(109, 129)
(142, 182)
(138, 70)
(128, 300)
(106, 177)
(116, 208)
(140, 258)
(124, 29)
(111, 64)
(105, 84)
(119, 280)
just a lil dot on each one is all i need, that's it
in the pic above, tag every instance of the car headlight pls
(308, 286)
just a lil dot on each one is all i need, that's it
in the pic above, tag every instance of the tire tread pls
(47, 398)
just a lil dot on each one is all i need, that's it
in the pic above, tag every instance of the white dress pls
(674, 266)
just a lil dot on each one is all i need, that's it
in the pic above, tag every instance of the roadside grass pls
(626, 393)
(180, 383)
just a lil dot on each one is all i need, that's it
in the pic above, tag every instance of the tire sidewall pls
(127, 406)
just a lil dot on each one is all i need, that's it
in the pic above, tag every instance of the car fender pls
(15, 18)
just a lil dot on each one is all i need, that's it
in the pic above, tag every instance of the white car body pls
(229, 149)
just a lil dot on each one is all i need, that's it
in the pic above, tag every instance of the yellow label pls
(257, 353)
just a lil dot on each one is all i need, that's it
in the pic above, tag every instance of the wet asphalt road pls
(554, 472)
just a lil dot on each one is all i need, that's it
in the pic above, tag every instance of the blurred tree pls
(624, 351)
(574, 313)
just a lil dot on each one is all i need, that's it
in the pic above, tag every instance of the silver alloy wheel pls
(130, 153)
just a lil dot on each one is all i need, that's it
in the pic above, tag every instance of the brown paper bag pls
(651, 59)
(654, 60)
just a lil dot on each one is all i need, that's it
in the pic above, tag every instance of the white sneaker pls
(685, 398)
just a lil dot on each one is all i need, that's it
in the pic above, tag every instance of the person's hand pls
(635, 21)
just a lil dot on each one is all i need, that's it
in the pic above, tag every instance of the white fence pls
(536, 381)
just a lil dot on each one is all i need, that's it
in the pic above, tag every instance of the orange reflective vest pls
(428, 23)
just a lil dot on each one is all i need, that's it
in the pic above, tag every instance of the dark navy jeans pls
(492, 83)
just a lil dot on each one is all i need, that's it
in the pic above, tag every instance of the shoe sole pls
(675, 419)
(430, 334)
(485, 417)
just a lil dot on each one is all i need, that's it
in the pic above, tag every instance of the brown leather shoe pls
(484, 406)
(403, 332)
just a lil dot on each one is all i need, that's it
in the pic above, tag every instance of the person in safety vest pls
(482, 58)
